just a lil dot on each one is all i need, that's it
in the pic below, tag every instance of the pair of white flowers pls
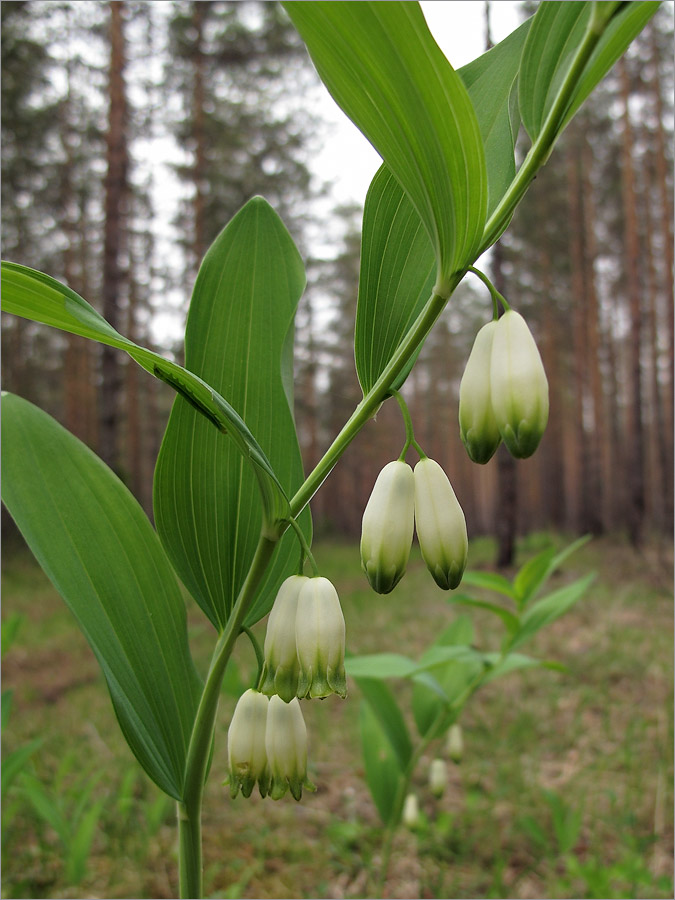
(503, 395)
(403, 499)
(267, 743)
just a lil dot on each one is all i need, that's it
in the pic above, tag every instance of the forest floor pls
(565, 788)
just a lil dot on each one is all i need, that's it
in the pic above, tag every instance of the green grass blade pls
(384, 69)
(238, 335)
(98, 548)
(34, 295)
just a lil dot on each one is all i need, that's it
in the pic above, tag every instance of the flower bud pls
(320, 640)
(455, 743)
(247, 757)
(280, 669)
(438, 777)
(286, 745)
(518, 386)
(411, 811)
(477, 424)
(440, 523)
(387, 529)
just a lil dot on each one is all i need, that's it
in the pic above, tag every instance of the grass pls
(565, 790)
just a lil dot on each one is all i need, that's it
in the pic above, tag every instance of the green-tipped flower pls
(286, 744)
(440, 523)
(518, 386)
(281, 668)
(387, 529)
(246, 753)
(455, 743)
(320, 640)
(477, 424)
(438, 777)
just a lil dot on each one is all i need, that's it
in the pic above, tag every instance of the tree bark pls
(635, 436)
(115, 198)
(198, 134)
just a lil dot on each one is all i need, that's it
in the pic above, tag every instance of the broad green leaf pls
(383, 773)
(379, 665)
(206, 500)
(395, 280)
(427, 705)
(438, 656)
(550, 608)
(388, 714)
(34, 295)
(98, 548)
(492, 83)
(556, 32)
(512, 663)
(532, 575)
(508, 618)
(560, 557)
(489, 580)
(384, 69)
(460, 631)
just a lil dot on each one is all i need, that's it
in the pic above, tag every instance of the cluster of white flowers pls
(403, 499)
(503, 395)
(303, 657)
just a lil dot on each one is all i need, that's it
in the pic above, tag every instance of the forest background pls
(566, 784)
(93, 91)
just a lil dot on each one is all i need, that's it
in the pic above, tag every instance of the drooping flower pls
(438, 777)
(246, 750)
(518, 385)
(286, 745)
(320, 640)
(411, 811)
(455, 743)
(440, 523)
(281, 667)
(477, 424)
(387, 528)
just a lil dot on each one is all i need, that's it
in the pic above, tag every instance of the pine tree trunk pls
(597, 438)
(198, 135)
(635, 436)
(115, 197)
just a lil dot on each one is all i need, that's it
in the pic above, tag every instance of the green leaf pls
(492, 83)
(395, 280)
(532, 575)
(384, 69)
(556, 33)
(513, 662)
(15, 762)
(437, 657)
(428, 702)
(383, 773)
(389, 716)
(34, 295)
(379, 665)
(489, 580)
(550, 608)
(625, 25)
(460, 631)
(98, 548)
(206, 500)
(508, 618)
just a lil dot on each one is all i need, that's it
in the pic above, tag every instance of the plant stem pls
(497, 298)
(375, 396)
(201, 740)
(542, 146)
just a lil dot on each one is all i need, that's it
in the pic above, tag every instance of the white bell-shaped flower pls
(455, 743)
(320, 640)
(518, 385)
(281, 668)
(478, 427)
(387, 528)
(440, 523)
(246, 748)
(286, 745)
(438, 777)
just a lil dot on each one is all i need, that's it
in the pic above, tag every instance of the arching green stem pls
(497, 298)
(306, 552)
(409, 432)
(257, 649)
